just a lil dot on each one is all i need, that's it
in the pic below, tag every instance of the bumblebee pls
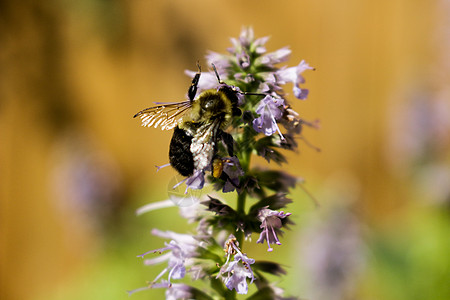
(199, 124)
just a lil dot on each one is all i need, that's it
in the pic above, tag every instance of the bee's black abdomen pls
(180, 155)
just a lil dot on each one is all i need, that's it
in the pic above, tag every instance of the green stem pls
(241, 203)
(241, 212)
(245, 165)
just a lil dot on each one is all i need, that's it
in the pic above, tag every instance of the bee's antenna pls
(217, 74)
(234, 88)
(254, 94)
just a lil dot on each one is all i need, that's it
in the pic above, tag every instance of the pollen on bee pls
(217, 167)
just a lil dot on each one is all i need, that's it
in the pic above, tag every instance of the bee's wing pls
(166, 116)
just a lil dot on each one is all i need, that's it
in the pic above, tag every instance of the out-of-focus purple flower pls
(221, 62)
(191, 212)
(270, 109)
(294, 75)
(85, 179)
(174, 290)
(246, 37)
(188, 241)
(208, 80)
(176, 259)
(258, 45)
(181, 248)
(333, 250)
(270, 223)
(179, 291)
(238, 270)
(154, 206)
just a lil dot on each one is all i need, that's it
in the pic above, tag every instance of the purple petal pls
(269, 111)
(196, 181)
(275, 57)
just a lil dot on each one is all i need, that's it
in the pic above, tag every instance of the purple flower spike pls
(235, 114)
(270, 109)
(270, 223)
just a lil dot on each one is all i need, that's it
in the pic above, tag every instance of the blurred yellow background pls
(74, 165)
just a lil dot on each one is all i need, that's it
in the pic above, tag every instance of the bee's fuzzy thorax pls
(210, 105)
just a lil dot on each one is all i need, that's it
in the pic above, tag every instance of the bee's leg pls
(193, 88)
(228, 141)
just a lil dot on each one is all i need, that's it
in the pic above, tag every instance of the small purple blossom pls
(294, 75)
(258, 45)
(270, 223)
(176, 260)
(272, 58)
(245, 39)
(188, 242)
(238, 270)
(196, 181)
(270, 109)
(243, 59)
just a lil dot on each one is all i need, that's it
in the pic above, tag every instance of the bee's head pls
(212, 103)
(231, 93)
